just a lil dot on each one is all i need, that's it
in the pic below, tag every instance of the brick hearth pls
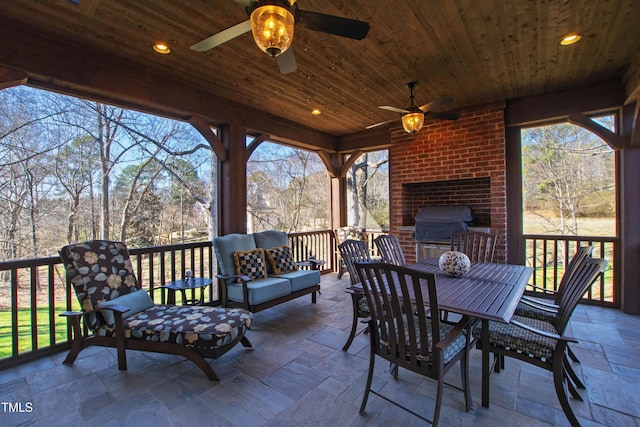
(451, 162)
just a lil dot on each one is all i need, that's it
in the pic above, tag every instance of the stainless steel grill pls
(434, 226)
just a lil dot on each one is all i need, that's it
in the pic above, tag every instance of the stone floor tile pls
(297, 375)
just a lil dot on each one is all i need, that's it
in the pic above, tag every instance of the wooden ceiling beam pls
(201, 125)
(369, 140)
(255, 143)
(68, 69)
(10, 77)
(634, 139)
(632, 81)
(559, 105)
(614, 140)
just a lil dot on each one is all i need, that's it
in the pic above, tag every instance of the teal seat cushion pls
(301, 279)
(261, 290)
(270, 239)
(225, 246)
(134, 301)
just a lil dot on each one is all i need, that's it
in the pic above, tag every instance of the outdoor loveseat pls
(257, 271)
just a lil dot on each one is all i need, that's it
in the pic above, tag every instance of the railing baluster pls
(604, 291)
(51, 284)
(33, 279)
(14, 312)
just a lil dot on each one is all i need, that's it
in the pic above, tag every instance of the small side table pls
(311, 263)
(184, 285)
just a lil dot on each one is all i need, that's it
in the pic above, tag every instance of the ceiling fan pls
(272, 23)
(413, 116)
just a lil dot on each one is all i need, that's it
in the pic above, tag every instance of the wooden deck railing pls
(548, 255)
(34, 291)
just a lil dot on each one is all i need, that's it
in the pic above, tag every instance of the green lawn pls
(542, 222)
(24, 329)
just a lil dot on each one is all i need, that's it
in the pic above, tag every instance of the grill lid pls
(445, 214)
(436, 223)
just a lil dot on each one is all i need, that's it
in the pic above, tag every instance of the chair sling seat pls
(363, 307)
(449, 352)
(527, 310)
(198, 327)
(515, 338)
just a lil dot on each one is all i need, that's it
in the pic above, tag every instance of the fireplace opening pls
(475, 193)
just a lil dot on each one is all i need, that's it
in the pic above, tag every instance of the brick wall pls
(460, 161)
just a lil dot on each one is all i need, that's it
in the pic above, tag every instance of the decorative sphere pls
(454, 263)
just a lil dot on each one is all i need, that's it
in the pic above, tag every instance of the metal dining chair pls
(546, 311)
(352, 251)
(478, 246)
(343, 234)
(541, 343)
(389, 249)
(403, 334)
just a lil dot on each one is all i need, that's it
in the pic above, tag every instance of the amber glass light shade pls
(413, 122)
(272, 28)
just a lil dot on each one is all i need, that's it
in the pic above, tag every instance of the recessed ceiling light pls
(162, 48)
(316, 112)
(570, 38)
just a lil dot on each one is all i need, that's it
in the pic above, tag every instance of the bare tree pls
(73, 170)
(565, 165)
(285, 186)
(24, 143)
(364, 170)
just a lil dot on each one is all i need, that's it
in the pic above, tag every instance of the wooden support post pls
(233, 182)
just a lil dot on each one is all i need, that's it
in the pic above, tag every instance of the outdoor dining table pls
(489, 291)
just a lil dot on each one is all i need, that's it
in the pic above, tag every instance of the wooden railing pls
(549, 255)
(34, 291)
(318, 244)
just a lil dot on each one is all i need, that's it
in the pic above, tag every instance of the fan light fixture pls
(413, 122)
(272, 28)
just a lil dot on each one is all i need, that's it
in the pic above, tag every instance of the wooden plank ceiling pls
(476, 51)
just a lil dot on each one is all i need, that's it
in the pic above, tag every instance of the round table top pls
(190, 283)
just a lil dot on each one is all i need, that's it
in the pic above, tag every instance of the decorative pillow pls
(250, 263)
(281, 259)
(136, 302)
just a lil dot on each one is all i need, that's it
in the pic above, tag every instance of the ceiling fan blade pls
(394, 109)
(436, 104)
(441, 116)
(381, 124)
(245, 3)
(287, 61)
(222, 37)
(343, 27)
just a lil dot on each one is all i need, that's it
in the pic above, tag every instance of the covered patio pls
(502, 64)
(297, 375)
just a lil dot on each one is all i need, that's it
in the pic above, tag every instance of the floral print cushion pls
(191, 326)
(99, 271)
